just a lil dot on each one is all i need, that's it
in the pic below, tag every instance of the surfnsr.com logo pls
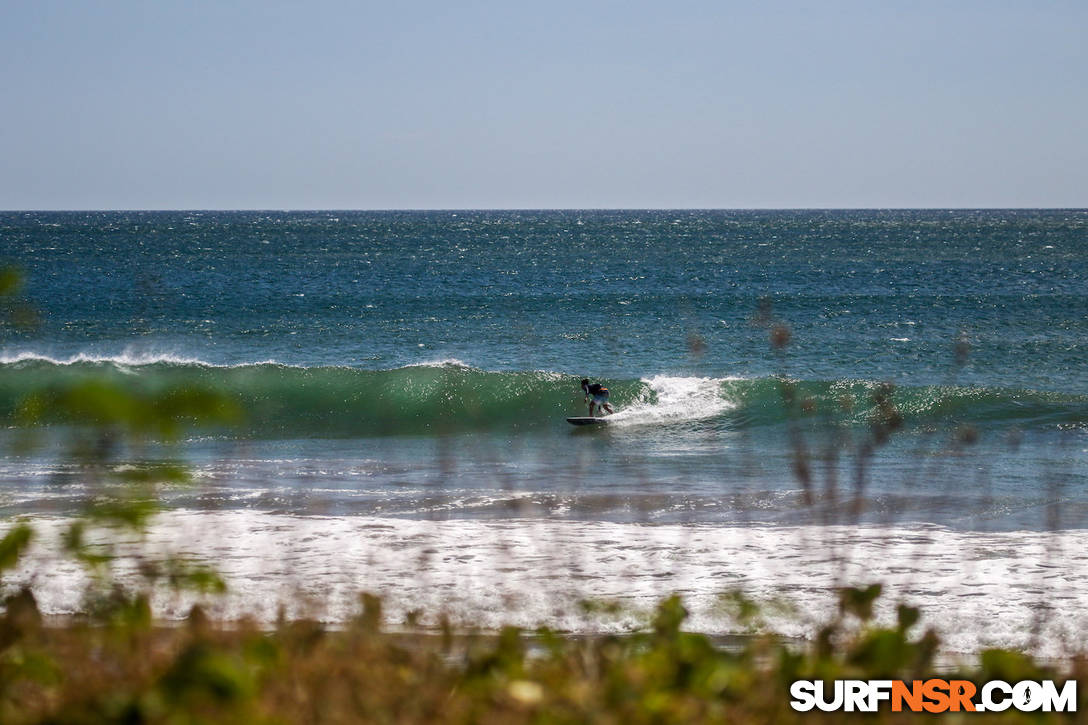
(933, 695)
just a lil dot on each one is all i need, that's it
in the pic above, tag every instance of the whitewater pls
(977, 590)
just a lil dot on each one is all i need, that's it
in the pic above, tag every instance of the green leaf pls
(907, 616)
(10, 281)
(858, 601)
(131, 512)
(75, 545)
(14, 544)
(670, 614)
(183, 574)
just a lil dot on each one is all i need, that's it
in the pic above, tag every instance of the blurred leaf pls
(24, 317)
(907, 616)
(780, 336)
(10, 281)
(96, 402)
(75, 545)
(31, 410)
(152, 473)
(882, 653)
(30, 665)
(858, 601)
(99, 403)
(1003, 664)
(133, 513)
(14, 544)
(123, 611)
(198, 405)
(21, 617)
(371, 617)
(669, 616)
(744, 610)
(600, 606)
(184, 574)
(201, 673)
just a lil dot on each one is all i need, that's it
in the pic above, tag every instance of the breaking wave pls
(283, 401)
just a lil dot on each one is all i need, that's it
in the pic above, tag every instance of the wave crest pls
(449, 396)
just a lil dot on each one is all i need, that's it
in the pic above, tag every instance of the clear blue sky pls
(376, 105)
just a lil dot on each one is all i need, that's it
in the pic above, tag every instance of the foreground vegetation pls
(116, 666)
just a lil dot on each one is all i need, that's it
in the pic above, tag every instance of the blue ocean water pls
(804, 399)
(421, 364)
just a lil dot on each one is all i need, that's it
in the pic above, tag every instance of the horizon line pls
(543, 209)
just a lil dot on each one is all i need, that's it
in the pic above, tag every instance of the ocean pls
(805, 400)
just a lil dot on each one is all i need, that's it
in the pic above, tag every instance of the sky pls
(258, 104)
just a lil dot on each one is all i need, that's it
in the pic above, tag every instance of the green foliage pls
(190, 575)
(14, 544)
(906, 616)
(371, 618)
(123, 509)
(112, 408)
(858, 601)
(602, 607)
(1000, 664)
(204, 675)
(75, 543)
(133, 672)
(669, 616)
(743, 610)
(20, 618)
(14, 312)
(10, 281)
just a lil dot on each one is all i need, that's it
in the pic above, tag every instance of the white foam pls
(449, 362)
(1015, 589)
(677, 399)
(125, 358)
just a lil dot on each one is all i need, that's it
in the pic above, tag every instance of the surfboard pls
(585, 420)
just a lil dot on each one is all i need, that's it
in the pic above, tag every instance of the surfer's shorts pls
(601, 397)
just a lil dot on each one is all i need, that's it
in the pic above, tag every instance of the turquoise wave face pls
(773, 400)
(283, 402)
(280, 401)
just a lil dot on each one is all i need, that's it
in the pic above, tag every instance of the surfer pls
(597, 395)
